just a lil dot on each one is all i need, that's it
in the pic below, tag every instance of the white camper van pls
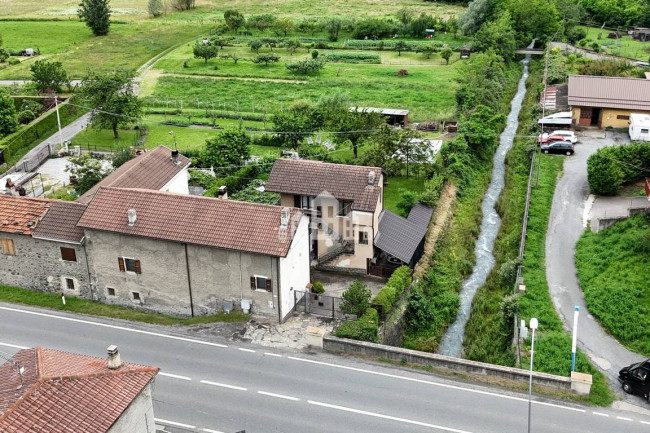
(640, 127)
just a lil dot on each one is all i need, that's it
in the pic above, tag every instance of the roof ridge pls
(293, 161)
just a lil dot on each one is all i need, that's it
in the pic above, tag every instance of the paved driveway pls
(566, 225)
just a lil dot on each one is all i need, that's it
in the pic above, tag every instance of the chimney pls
(223, 193)
(114, 361)
(371, 178)
(131, 215)
(284, 217)
(175, 156)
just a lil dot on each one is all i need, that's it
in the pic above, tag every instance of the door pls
(585, 116)
(596, 117)
(639, 379)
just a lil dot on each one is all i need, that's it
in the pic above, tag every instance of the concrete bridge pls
(531, 51)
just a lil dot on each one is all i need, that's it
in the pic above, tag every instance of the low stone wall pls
(343, 345)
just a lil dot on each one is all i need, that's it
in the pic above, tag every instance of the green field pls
(613, 271)
(625, 47)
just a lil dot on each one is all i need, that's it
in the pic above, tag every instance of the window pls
(319, 212)
(69, 284)
(259, 282)
(136, 296)
(8, 248)
(363, 237)
(68, 254)
(110, 291)
(344, 208)
(643, 131)
(129, 265)
(330, 211)
(622, 117)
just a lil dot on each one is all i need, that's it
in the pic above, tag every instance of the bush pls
(419, 311)
(306, 66)
(13, 61)
(200, 178)
(25, 116)
(402, 73)
(392, 292)
(356, 299)
(354, 58)
(610, 167)
(365, 328)
(317, 287)
(374, 27)
(314, 54)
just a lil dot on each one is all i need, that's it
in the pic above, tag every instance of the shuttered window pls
(8, 247)
(129, 265)
(69, 254)
(259, 282)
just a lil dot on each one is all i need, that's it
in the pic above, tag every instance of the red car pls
(545, 138)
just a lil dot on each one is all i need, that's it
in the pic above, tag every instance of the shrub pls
(266, 59)
(306, 66)
(402, 73)
(13, 61)
(314, 54)
(610, 167)
(391, 293)
(25, 116)
(317, 287)
(419, 311)
(354, 58)
(200, 178)
(365, 328)
(356, 299)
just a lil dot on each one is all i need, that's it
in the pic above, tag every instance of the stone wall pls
(342, 345)
(38, 265)
(138, 416)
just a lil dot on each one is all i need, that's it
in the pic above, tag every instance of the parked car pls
(559, 147)
(546, 138)
(635, 378)
(558, 135)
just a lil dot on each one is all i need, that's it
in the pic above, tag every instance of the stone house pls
(49, 390)
(189, 255)
(42, 248)
(343, 203)
(607, 101)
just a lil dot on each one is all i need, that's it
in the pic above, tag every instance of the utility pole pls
(58, 120)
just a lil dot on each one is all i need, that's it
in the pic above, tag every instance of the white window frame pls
(257, 289)
(126, 268)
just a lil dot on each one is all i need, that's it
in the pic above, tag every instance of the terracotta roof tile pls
(344, 182)
(151, 170)
(610, 92)
(66, 392)
(60, 222)
(21, 214)
(196, 220)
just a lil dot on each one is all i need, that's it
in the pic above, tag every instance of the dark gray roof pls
(400, 236)
(60, 222)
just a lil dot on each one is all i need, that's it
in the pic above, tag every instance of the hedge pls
(365, 328)
(610, 167)
(354, 58)
(392, 292)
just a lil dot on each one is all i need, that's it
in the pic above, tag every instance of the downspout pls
(277, 263)
(189, 280)
(90, 282)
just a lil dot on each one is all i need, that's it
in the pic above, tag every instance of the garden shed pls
(394, 117)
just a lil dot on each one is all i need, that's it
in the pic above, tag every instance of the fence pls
(33, 162)
(320, 305)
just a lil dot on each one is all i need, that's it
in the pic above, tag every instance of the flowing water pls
(452, 341)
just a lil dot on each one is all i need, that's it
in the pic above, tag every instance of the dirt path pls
(438, 222)
(261, 80)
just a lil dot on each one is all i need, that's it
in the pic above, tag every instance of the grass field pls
(628, 47)
(612, 268)
(392, 191)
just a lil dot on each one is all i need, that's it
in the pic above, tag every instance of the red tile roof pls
(344, 182)
(20, 215)
(60, 222)
(151, 170)
(195, 220)
(66, 392)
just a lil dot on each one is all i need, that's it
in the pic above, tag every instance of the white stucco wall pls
(138, 416)
(294, 268)
(179, 184)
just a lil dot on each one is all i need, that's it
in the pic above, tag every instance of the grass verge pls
(77, 305)
(612, 268)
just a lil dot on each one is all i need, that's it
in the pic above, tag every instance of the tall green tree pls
(96, 14)
(205, 51)
(297, 122)
(155, 8)
(497, 35)
(234, 19)
(230, 147)
(482, 82)
(333, 27)
(283, 25)
(477, 13)
(8, 122)
(446, 54)
(48, 75)
(113, 99)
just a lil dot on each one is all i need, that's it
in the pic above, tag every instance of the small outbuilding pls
(465, 52)
(393, 116)
(639, 127)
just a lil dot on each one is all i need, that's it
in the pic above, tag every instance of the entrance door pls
(585, 116)
(595, 117)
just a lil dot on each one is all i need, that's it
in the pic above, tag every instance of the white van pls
(639, 127)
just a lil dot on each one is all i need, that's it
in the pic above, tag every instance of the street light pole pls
(576, 312)
(533, 326)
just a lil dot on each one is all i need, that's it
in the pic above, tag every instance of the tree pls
(356, 299)
(429, 49)
(333, 27)
(446, 54)
(121, 155)
(477, 13)
(48, 75)
(284, 25)
(266, 59)
(260, 22)
(306, 66)
(497, 35)
(308, 25)
(256, 45)
(234, 19)
(155, 8)
(298, 121)
(183, 5)
(401, 46)
(205, 51)
(88, 170)
(230, 147)
(404, 16)
(96, 14)
(8, 123)
(221, 41)
(534, 19)
(292, 45)
(482, 82)
(111, 94)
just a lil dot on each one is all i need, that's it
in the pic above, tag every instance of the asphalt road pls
(566, 225)
(221, 386)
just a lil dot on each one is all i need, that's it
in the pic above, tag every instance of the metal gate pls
(319, 304)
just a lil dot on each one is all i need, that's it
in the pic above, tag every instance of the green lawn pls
(613, 271)
(77, 305)
(392, 191)
(628, 47)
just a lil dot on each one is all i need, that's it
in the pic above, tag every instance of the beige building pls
(45, 390)
(607, 101)
(343, 202)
